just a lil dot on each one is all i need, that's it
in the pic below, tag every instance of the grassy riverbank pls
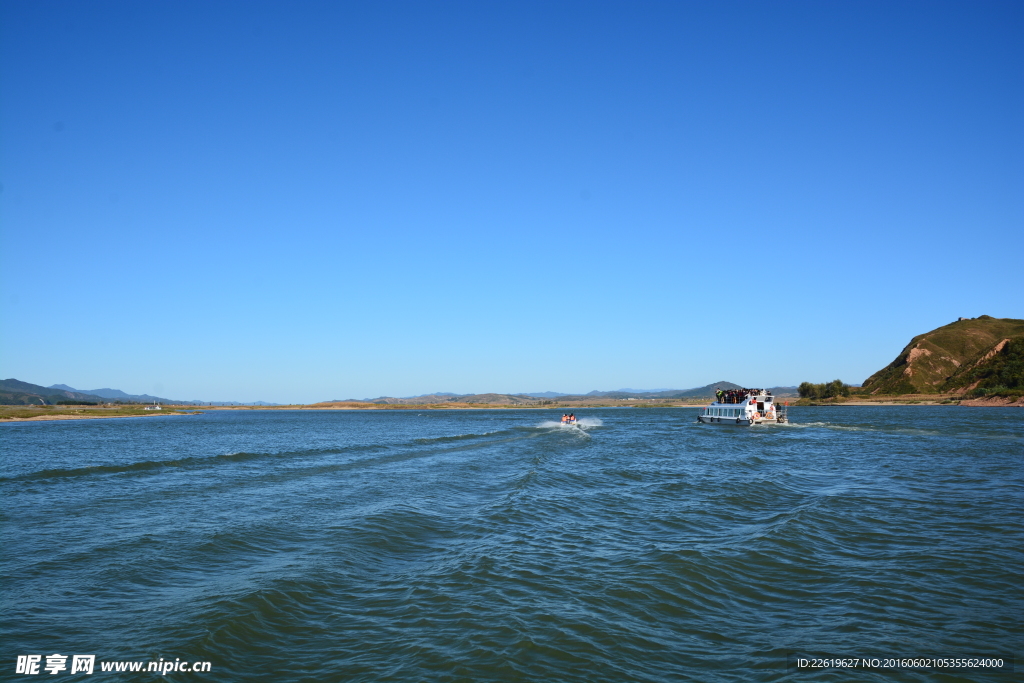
(41, 413)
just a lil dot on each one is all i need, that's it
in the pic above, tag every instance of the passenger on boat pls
(572, 418)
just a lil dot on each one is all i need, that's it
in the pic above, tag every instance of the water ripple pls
(499, 545)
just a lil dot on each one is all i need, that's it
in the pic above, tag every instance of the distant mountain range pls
(555, 394)
(16, 392)
(536, 397)
(704, 391)
(983, 354)
(116, 394)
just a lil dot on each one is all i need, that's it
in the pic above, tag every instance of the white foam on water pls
(909, 431)
(581, 423)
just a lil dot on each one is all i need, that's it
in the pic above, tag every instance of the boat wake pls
(906, 431)
(583, 423)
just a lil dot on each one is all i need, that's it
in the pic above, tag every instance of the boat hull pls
(737, 422)
(726, 421)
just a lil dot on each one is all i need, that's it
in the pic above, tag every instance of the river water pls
(497, 545)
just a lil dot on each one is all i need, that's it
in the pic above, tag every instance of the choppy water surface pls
(499, 546)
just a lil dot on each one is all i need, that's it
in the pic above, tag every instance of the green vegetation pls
(953, 358)
(834, 389)
(1000, 375)
(8, 412)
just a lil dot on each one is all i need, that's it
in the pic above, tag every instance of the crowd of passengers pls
(736, 395)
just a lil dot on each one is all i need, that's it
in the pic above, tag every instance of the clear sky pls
(322, 200)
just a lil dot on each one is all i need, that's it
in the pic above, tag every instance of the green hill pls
(976, 354)
(15, 392)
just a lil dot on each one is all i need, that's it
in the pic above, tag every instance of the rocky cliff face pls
(934, 361)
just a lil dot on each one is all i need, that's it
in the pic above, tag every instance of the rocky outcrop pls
(931, 360)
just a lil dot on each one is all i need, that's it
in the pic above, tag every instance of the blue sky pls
(319, 200)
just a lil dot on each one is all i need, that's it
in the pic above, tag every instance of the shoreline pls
(857, 404)
(991, 402)
(54, 418)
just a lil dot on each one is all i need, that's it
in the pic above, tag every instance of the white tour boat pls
(744, 407)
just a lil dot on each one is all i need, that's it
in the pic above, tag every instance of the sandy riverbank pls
(995, 402)
(83, 416)
(992, 402)
(888, 403)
